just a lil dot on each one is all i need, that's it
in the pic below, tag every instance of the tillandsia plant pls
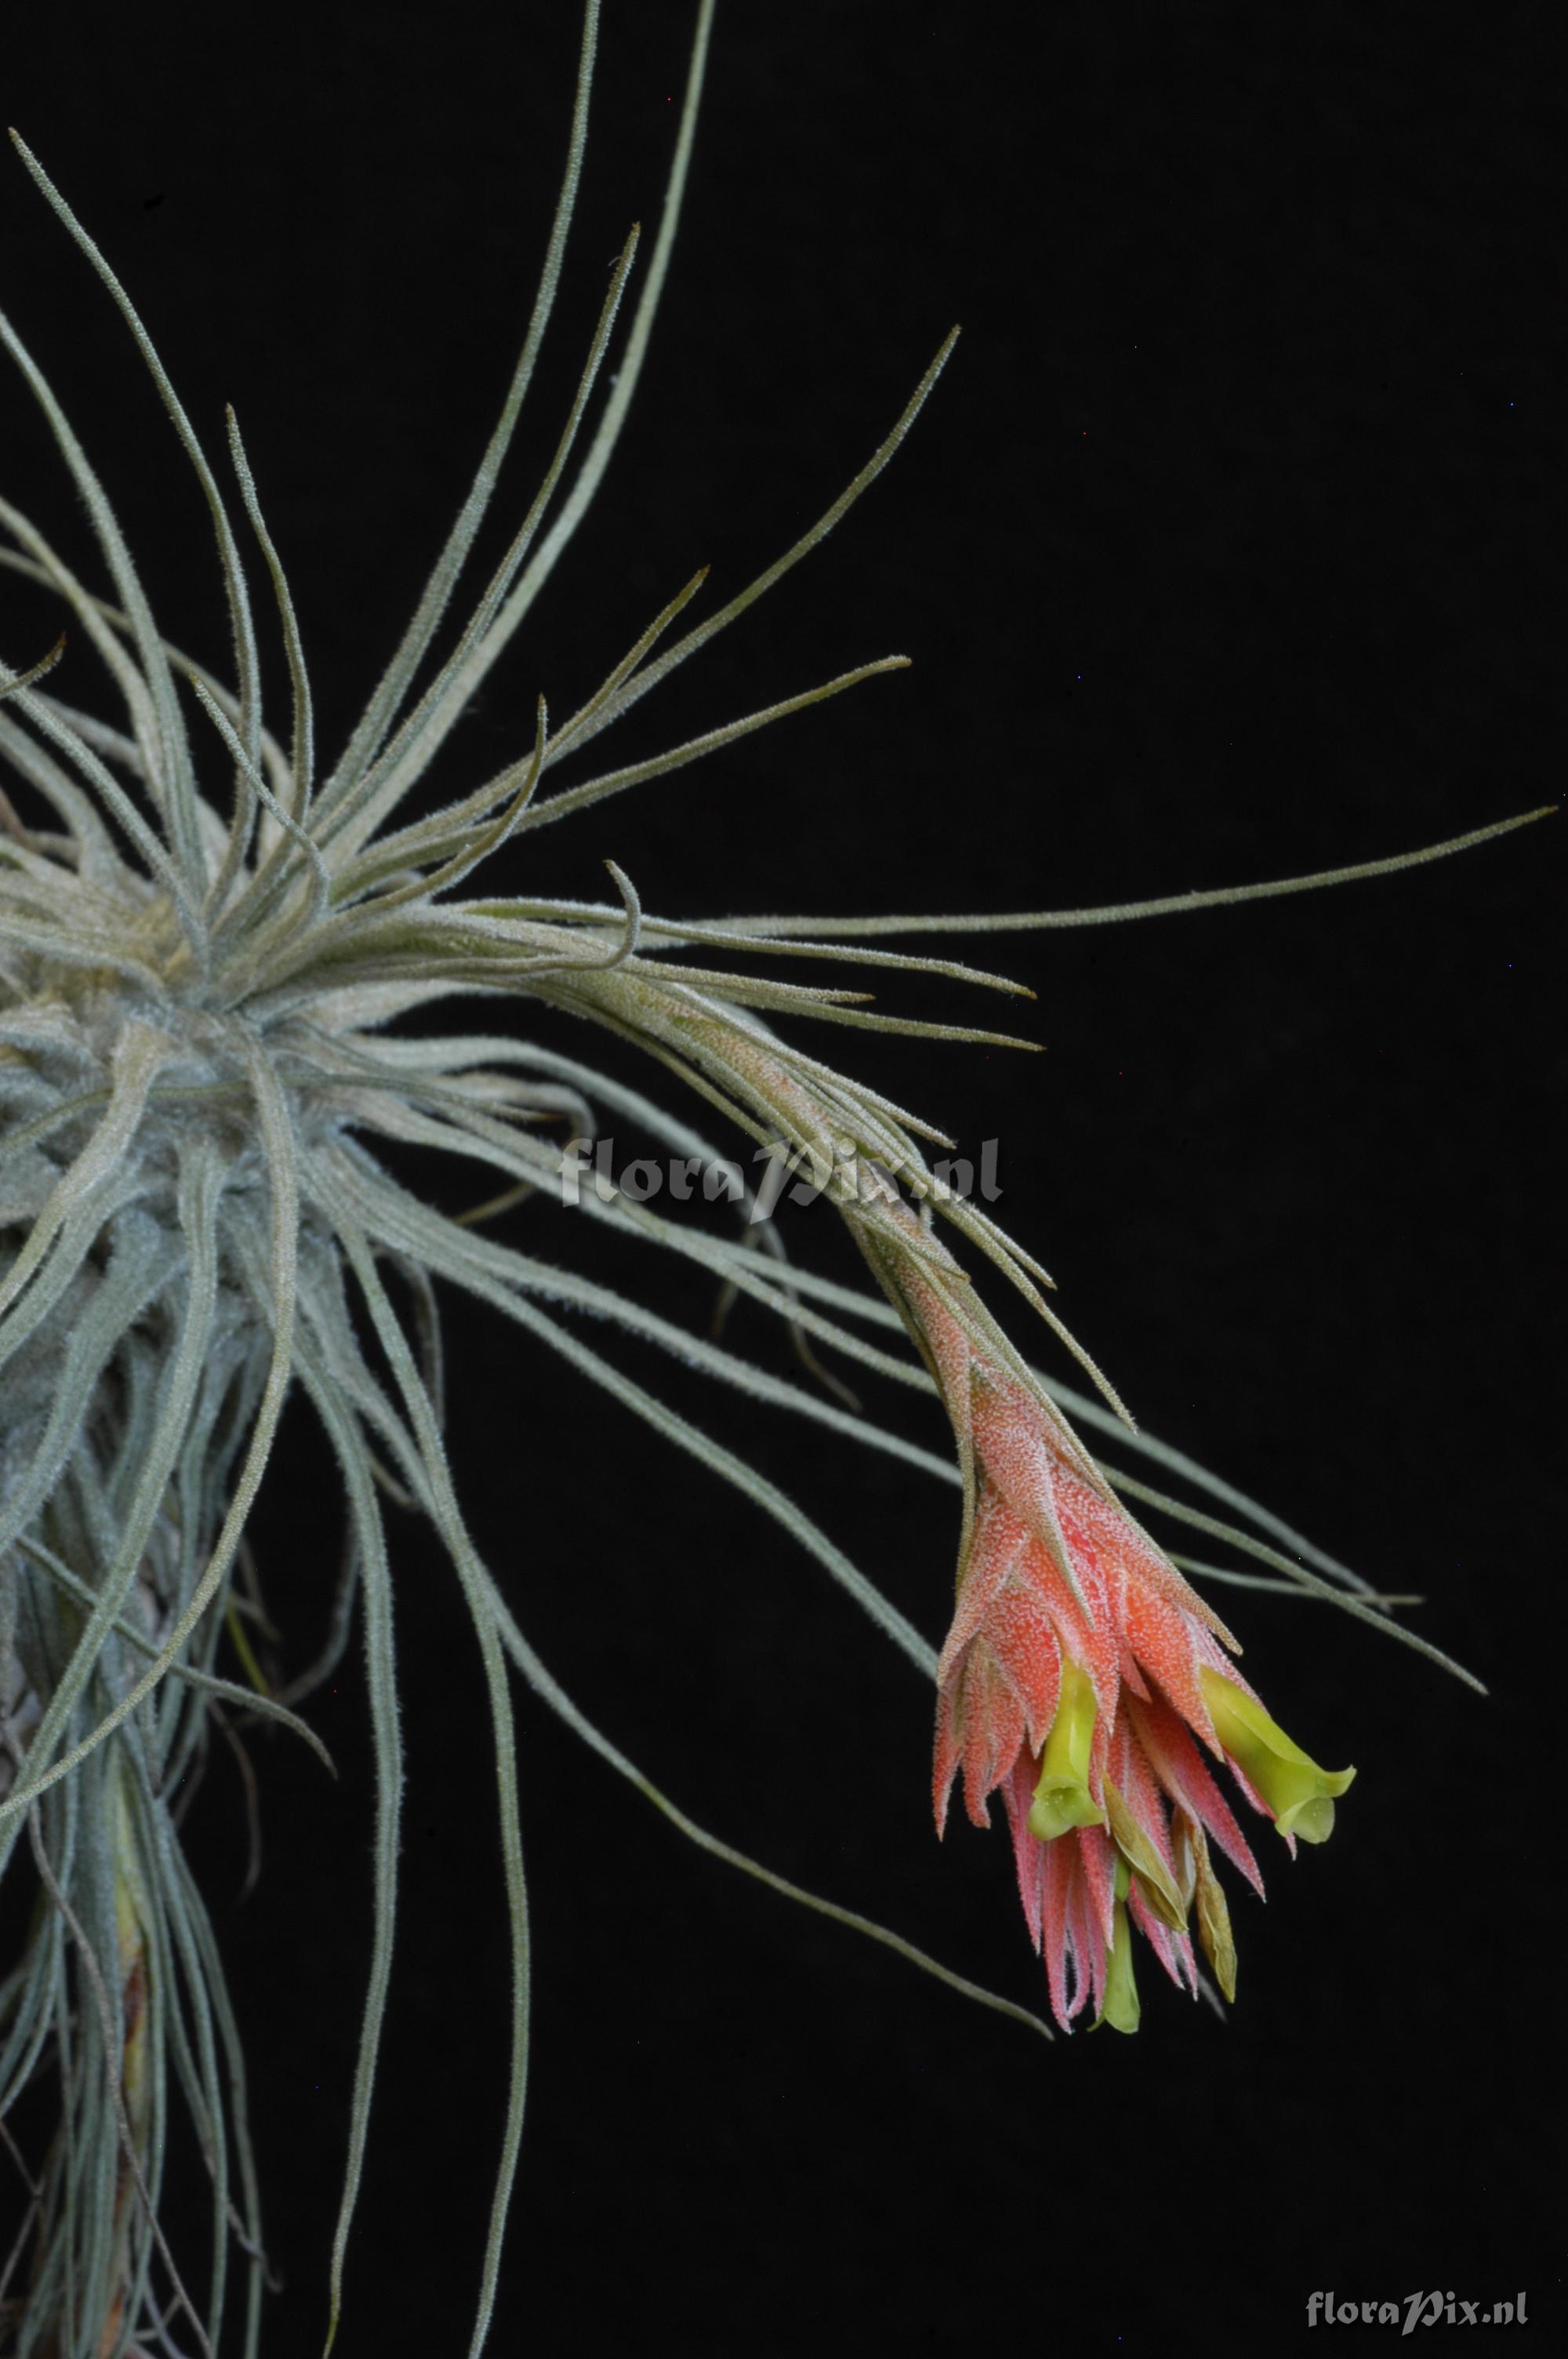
(207, 949)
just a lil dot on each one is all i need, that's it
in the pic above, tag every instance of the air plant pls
(202, 1068)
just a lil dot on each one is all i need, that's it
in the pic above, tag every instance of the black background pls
(1222, 549)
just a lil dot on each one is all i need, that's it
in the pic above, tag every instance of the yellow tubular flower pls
(1062, 1797)
(1155, 1881)
(1120, 2009)
(1299, 1793)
